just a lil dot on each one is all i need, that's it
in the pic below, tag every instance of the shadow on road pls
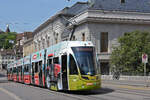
(92, 92)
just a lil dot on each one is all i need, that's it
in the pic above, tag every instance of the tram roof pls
(56, 49)
(66, 44)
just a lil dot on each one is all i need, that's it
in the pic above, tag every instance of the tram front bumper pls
(89, 86)
(85, 85)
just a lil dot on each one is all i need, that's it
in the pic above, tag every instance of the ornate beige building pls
(99, 21)
(28, 47)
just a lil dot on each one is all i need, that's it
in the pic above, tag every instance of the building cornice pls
(111, 17)
(50, 20)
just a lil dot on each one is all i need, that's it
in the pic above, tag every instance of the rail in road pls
(137, 83)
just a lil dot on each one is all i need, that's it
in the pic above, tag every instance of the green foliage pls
(7, 40)
(127, 57)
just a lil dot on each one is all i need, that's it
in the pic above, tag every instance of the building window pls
(39, 46)
(83, 37)
(35, 46)
(104, 42)
(43, 43)
(73, 38)
(122, 1)
(48, 44)
(56, 40)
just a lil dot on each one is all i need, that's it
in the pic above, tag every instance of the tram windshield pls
(86, 60)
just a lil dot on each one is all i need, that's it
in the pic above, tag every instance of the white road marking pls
(10, 94)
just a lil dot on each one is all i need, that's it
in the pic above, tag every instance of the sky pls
(27, 15)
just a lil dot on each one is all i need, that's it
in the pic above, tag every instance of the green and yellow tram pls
(69, 65)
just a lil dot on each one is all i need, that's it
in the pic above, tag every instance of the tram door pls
(64, 72)
(21, 74)
(17, 69)
(40, 73)
(32, 71)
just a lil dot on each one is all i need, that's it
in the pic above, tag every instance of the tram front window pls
(86, 60)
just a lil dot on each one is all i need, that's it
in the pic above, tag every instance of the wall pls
(49, 34)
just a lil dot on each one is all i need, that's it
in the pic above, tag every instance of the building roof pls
(128, 6)
(19, 36)
(142, 6)
(78, 8)
(67, 11)
(28, 35)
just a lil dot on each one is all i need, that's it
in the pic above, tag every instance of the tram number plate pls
(89, 83)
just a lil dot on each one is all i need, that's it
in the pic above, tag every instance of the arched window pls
(48, 43)
(83, 37)
(73, 38)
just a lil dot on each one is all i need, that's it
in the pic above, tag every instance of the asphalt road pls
(17, 91)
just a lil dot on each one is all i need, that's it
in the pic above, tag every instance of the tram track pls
(142, 91)
(105, 93)
(134, 93)
(113, 96)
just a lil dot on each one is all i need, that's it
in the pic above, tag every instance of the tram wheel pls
(48, 82)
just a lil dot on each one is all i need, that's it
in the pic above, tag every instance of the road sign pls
(144, 58)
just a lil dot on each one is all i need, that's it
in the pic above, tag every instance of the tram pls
(9, 72)
(69, 65)
(19, 70)
(27, 69)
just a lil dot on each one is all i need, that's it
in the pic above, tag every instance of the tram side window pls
(36, 67)
(56, 60)
(40, 65)
(21, 69)
(49, 62)
(18, 69)
(72, 66)
(10, 70)
(26, 68)
(14, 70)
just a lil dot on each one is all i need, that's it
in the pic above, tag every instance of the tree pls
(7, 40)
(127, 57)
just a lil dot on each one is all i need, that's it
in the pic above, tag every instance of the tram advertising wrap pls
(69, 65)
